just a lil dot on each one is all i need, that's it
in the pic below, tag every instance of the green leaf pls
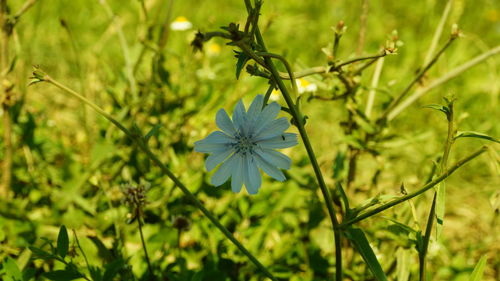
(358, 239)
(41, 254)
(440, 208)
(112, 269)
(62, 242)
(12, 270)
(63, 275)
(477, 274)
(153, 132)
(242, 60)
(439, 107)
(472, 134)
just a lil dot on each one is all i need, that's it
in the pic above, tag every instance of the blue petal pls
(269, 169)
(223, 172)
(273, 129)
(275, 158)
(251, 175)
(237, 173)
(255, 108)
(267, 115)
(216, 141)
(224, 123)
(216, 158)
(239, 116)
(283, 140)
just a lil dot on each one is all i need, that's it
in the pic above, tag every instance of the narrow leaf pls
(62, 242)
(153, 132)
(40, 254)
(472, 134)
(439, 107)
(242, 60)
(477, 274)
(62, 275)
(358, 239)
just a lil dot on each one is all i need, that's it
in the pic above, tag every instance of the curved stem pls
(143, 146)
(423, 189)
(287, 66)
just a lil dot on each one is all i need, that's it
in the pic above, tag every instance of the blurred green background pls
(69, 162)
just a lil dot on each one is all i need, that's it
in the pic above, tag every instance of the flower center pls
(244, 144)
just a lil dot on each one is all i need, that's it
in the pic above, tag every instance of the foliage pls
(76, 207)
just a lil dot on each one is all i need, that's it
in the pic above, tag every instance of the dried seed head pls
(181, 223)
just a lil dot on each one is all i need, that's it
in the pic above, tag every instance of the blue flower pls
(247, 144)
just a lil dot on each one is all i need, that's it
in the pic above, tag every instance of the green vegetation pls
(395, 176)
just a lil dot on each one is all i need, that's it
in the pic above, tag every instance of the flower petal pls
(239, 116)
(216, 141)
(273, 129)
(224, 171)
(255, 108)
(269, 169)
(281, 141)
(275, 158)
(251, 175)
(224, 123)
(237, 173)
(267, 115)
(216, 158)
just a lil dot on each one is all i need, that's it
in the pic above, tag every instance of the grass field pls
(71, 204)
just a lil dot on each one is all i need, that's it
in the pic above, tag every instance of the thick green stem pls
(423, 189)
(143, 146)
(310, 152)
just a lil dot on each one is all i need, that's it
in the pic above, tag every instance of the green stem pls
(150, 268)
(427, 237)
(142, 145)
(285, 63)
(444, 161)
(423, 189)
(5, 98)
(417, 78)
(310, 152)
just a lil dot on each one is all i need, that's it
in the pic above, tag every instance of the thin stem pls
(269, 91)
(362, 29)
(24, 8)
(165, 29)
(150, 268)
(438, 32)
(310, 152)
(83, 253)
(143, 146)
(287, 66)
(417, 78)
(383, 54)
(373, 86)
(427, 236)
(452, 74)
(5, 101)
(129, 65)
(423, 189)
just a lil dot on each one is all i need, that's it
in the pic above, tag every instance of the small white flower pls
(248, 143)
(181, 23)
(305, 86)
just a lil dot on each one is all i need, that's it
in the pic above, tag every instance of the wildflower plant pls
(247, 143)
(325, 224)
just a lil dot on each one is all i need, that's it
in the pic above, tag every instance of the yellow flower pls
(213, 49)
(181, 23)
(275, 95)
(305, 86)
